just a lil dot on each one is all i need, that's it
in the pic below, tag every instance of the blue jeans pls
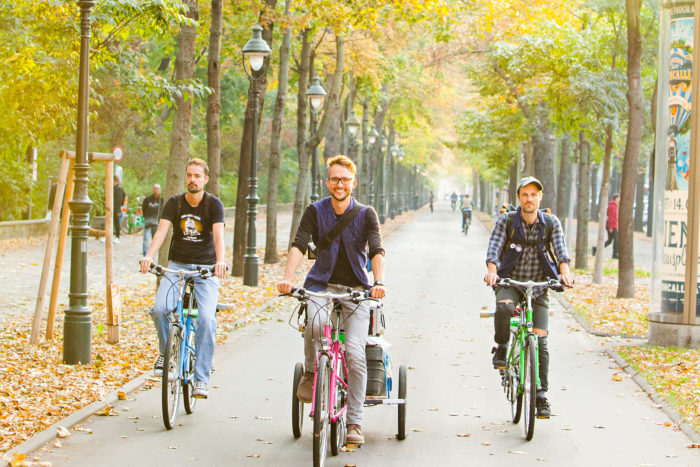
(148, 232)
(206, 291)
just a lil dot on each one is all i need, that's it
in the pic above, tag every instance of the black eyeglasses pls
(344, 180)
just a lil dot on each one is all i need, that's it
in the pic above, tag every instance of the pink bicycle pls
(329, 404)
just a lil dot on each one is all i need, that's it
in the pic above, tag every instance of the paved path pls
(435, 295)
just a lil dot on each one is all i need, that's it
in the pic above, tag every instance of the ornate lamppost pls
(316, 96)
(254, 53)
(77, 325)
(394, 151)
(352, 126)
(380, 166)
(371, 139)
(400, 193)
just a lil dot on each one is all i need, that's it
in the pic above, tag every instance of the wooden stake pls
(58, 266)
(112, 323)
(53, 227)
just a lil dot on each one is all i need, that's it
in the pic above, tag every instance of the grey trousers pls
(355, 322)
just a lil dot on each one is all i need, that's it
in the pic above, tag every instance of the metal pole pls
(314, 160)
(371, 152)
(77, 329)
(380, 181)
(250, 260)
(392, 180)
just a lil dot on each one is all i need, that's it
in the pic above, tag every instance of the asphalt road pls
(434, 277)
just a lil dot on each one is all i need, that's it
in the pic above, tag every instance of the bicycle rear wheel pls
(338, 428)
(171, 385)
(321, 409)
(530, 388)
(514, 396)
(403, 386)
(297, 405)
(188, 381)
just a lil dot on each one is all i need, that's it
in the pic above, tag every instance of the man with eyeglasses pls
(338, 266)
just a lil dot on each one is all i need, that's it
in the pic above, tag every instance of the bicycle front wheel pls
(321, 411)
(188, 381)
(171, 385)
(515, 397)
(338, 428)
(530, 387)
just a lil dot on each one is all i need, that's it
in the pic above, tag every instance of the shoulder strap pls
(509, 231)
(335, 231)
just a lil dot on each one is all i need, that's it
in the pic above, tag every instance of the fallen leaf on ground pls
(62, 432)
(464, 435)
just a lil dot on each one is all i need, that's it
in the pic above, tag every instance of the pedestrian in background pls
(119, 200)
(151, 208)
(611, 225)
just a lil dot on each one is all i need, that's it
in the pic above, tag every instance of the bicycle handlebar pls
(550, 283)
(159, 270)
(354, 295)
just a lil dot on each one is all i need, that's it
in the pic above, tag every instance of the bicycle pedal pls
(542, 417)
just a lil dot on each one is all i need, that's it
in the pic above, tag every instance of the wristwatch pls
(376, 283)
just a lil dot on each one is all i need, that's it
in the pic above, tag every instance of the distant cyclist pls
(466, 205)
(431, 199)
(453, 200)
(198, 240)
(520, 248)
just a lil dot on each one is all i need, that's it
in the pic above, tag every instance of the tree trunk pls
(271, 255)
(240, 224)
(364, 162)
(302, 157)
(639, 199)
(635, 99)
(482, 195)
(315, 139)
(564, 187)
(594, 192)
(182, 118)
(602, 210)
(544, 158)
(476, 194)
(513, 182)
(214, 99)
(584, 191)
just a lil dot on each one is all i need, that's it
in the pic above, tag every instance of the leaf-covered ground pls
(673, 373)
(597, 306)
(38, 390)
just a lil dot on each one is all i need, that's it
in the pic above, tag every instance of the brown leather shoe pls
(354, 435)
(306, 387)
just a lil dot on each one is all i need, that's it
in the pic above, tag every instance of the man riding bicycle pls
(338, 266)
(520, 248)
(453, 200)
(466, 205)
(198, 240)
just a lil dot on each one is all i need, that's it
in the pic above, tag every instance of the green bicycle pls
(520, 378)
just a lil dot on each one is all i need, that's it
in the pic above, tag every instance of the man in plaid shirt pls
(526, 258)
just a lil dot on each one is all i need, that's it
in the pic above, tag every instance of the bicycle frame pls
(185, 323)
(525, 329)
(330, 345)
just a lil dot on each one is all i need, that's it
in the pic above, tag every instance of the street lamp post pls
(380, 167)
(254, 52)
(352, 125)
(400, 194)
(394, 151)
(368, 151)
(77, 327)
(416, 188)
(316, 95)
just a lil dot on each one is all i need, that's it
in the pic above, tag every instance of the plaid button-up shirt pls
(528, 266)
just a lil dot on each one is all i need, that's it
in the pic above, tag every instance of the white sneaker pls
(200, 390)
(115, 240)
(158, 365)
(103, 240)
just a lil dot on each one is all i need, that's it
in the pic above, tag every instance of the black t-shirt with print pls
(193, 242)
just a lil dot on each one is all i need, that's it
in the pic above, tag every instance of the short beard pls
(340, 200)
(193, 190)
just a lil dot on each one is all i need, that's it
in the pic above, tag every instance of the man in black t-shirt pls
(198, 240)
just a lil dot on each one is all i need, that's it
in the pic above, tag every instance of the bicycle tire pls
(403, 387)
(321, 407)
(297, 405)
(171, 386)
(188, 381)
(515, 396)
(339, 428)
(529, 388)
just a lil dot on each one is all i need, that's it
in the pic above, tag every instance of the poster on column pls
(680, 70)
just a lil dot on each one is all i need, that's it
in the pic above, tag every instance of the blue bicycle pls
(180, 353)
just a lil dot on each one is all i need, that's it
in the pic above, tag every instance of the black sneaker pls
(499, 356)
(158, 365)
(543, 408)
(593, 250)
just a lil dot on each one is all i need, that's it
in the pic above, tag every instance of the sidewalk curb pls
(636, 377)
(646, 387)
(49, 434)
